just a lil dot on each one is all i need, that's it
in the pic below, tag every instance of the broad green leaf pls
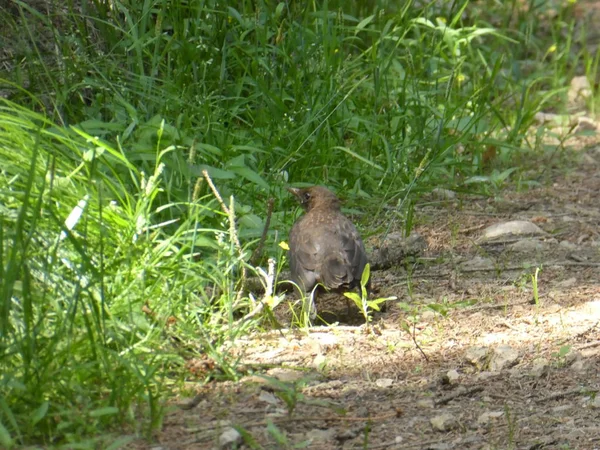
(251, 175)
(40, 413)
(363, 23)
(106, 411)
(364, 279)
(5, 438)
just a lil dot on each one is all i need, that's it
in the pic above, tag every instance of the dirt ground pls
(487, 368)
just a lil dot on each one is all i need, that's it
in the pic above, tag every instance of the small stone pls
(572, 357)
(512, 228)
(318, 435)
(580, 365)
(569, 282)
(567, 245)
(527, 246)
(595, 402)
(428, 315)
(586, 124)
(319, 361)
(504, 357)
(487, 417)
(269, 398)
(477, 263)
(426, 403)
(286, 375)
(453, 376)
(228, 437)
(477, 356)
(443, 194)
(579, 91)
(444, 422)
(540, 367)
(551, 120)
(384, 382)
(349, 433)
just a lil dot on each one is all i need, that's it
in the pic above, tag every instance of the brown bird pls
(325, 247)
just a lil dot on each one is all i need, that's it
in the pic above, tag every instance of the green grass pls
(118, 262)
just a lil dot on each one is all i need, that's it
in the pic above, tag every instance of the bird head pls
(315, 197)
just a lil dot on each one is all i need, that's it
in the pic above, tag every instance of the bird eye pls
(306, 196)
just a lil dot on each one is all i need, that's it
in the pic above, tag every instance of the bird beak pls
(294, 191)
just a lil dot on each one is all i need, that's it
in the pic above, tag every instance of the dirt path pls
(498, 371)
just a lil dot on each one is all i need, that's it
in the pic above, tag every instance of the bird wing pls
(346, 257)
(303, 258)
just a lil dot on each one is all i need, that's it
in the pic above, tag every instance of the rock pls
(319, 361)
(443, 194)
(569, 282)
(509, 229)
(452, 376)
(349, 433)
(580, 365)
(530, 245)
(394, 248)
(269, 398)
(229, 437)
(286, 375)
(428, 315)
(572, 357)
(595, 402)
(427, 403)
(487, 417)
(444, 422)
(586, 124)
(567, 245)
(478, 357)
(384, 382)
(317, 435)
(579, 92)
(552, 120)
(540, 367)
(504, 357)
(477, 263)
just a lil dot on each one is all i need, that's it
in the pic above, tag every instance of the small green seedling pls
(362, 301)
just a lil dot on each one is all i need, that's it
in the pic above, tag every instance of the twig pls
(414, 339)
(460, 392)
(588, 345)
(569, 393)
(471, 229)
(258, 251)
